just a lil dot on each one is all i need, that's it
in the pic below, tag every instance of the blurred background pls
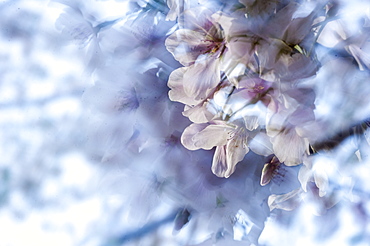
(48, 182)
(60, 181)
(54, 187)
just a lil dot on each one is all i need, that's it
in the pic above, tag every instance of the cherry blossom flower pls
(285, 121)
(198, 46)
(199, 35)
(229, 139)
(284, 50)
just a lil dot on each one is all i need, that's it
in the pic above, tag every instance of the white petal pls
(224, 20)
(186, 45)
(289, 147)
(361, 56)
(241, 49)
(201, 77)
(261, 144)
(188, 134)
(219, 163)
(288, 201)
(321, 181)
(277, 25)
(304, 176)
(298, 29)
(212, 135)
(235, 152)
(251, 122)
(198, 18)
(198, 114)
(177, 93)
(174, 10)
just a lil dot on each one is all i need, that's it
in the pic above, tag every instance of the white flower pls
(287, 115)
(199, 35)
(198, 46)
(229, 139)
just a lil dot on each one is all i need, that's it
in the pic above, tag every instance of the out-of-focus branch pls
(334, 141)
(127, 237)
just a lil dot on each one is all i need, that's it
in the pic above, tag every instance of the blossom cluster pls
(260, 97)
(249, 82)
